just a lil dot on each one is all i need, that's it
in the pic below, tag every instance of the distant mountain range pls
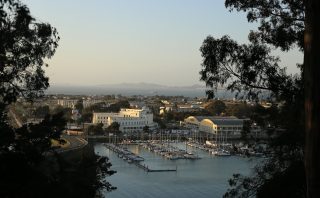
(143, 85)
(128, 89)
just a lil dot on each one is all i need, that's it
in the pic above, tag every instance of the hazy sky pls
(153, 41)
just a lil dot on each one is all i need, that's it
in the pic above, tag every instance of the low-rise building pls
(188, 108)
(130, 120)
(216, 125)
(225, 126)
(70, 103)
(90, 102)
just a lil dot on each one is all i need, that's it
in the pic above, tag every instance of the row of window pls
(102, 118)
(229, 128)
(133, 123)
(132, 128)
(226, 129)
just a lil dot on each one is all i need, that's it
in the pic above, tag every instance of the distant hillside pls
(128, 89)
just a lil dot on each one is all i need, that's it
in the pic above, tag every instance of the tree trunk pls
(312, 96)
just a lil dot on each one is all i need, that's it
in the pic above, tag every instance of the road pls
(14, 116)
(75, 143)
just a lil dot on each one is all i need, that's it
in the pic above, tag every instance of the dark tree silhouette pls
(312, 96)
(79, 106)
(146, 129)
(249, 69)
(24, 44)
(216, 107)
(41, 111)
(29, 167)
(114, 127)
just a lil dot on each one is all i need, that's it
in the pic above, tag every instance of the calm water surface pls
(203, 178)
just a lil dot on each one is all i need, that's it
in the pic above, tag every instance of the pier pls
(147, 169)
(135, 159)
(168, 151)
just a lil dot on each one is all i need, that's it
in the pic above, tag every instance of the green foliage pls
(117, 106)
(247, 69)
(66, 112)
(79, 106)
(86, 177)
(22, 156)
(86, 117)
(281, 21)
(250, 71)
(42, 111)
(161, 123)
(25, 43)
(216, 107)
(245, 129)
(100, 107)
(96, 129)
(114, 127)
(146, 129)
(30, 167)
(241, 110)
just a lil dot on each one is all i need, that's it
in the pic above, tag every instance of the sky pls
(133, 41)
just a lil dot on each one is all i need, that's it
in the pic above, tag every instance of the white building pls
(225, 126)
(70, 103)
(130, 120)
(216, 125)
(90, 102)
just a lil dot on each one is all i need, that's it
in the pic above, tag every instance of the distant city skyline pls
(152, 41)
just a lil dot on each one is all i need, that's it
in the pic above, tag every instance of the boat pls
(220, 152)
(191, 156)
(138, 158)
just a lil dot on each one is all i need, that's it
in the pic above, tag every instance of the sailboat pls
(218, 151)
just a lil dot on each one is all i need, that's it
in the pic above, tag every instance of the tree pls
(66, 112)
(114, 127)
(24, 45)
(160, 122)
(86, 117)
(41, 111)
(118, 105)
(79, 106)
(249, 70)
(241, 110)
(146, 129)
(96, 129)
(216, 107)
(30, 167)
(312, 96)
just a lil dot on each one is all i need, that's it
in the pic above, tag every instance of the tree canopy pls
(29, 165)
(216, 108)
(250, 70)
(114, 127)
(25, 43)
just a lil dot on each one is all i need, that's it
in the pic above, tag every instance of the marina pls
(130, 157)
(206, 177)
(168, 150)
(124, 153)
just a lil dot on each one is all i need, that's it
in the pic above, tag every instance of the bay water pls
(201, 178)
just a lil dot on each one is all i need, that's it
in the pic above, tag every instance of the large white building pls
(130, 120)
(216, 125)
(70, 103)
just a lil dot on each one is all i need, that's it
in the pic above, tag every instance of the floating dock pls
(147, 169)
(135, 159)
